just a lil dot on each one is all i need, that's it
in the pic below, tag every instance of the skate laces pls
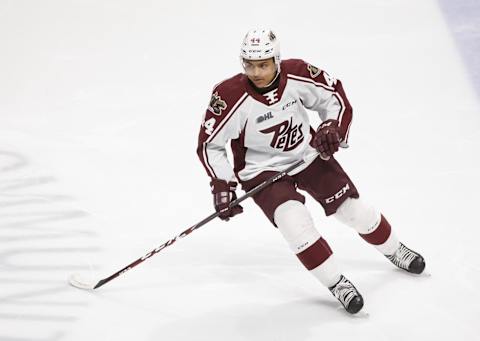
(344, 291)
(403, 257)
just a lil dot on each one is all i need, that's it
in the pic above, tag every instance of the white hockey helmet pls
(260, 43)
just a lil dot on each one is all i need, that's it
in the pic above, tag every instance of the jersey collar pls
(269, 95)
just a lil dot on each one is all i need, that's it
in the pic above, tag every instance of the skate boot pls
(408, 260)
(348, 295)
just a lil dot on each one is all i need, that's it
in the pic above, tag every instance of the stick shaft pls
(212, 216)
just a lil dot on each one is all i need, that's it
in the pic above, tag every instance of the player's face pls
(260, 72)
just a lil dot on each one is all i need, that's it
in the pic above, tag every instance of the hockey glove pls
(327, 138)
(223, 195)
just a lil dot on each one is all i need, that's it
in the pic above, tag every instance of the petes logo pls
(271, 36)
(217, 104)
(314, 71)
(287, 136)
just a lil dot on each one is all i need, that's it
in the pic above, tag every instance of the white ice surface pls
(100, 102)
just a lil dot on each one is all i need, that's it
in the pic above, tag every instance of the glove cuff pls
(328, 123)
(220, 185)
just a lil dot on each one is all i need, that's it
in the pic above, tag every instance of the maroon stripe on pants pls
(315, 255)
(381, 233)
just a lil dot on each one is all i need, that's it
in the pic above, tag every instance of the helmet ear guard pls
(259, 44)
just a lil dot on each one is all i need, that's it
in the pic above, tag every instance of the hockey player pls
(261, 112)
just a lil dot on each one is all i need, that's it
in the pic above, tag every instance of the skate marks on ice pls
(42, 236)
(308, 311)
(301, 319)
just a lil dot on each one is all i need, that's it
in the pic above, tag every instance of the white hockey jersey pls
(272, 131)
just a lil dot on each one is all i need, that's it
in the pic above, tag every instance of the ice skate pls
(408, 260)
(348, 295)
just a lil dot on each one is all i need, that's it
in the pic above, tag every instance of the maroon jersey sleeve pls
(220, 125)
(323, 93)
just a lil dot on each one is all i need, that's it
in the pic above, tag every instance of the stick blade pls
(81, 282)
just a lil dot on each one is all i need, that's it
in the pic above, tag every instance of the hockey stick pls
(78, 281)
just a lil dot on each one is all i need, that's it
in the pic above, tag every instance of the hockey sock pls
(328, 272)
(382, 237)
(296, 225)
(370, 224)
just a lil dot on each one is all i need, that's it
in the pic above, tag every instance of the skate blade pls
(360, 315)
(424, 273)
